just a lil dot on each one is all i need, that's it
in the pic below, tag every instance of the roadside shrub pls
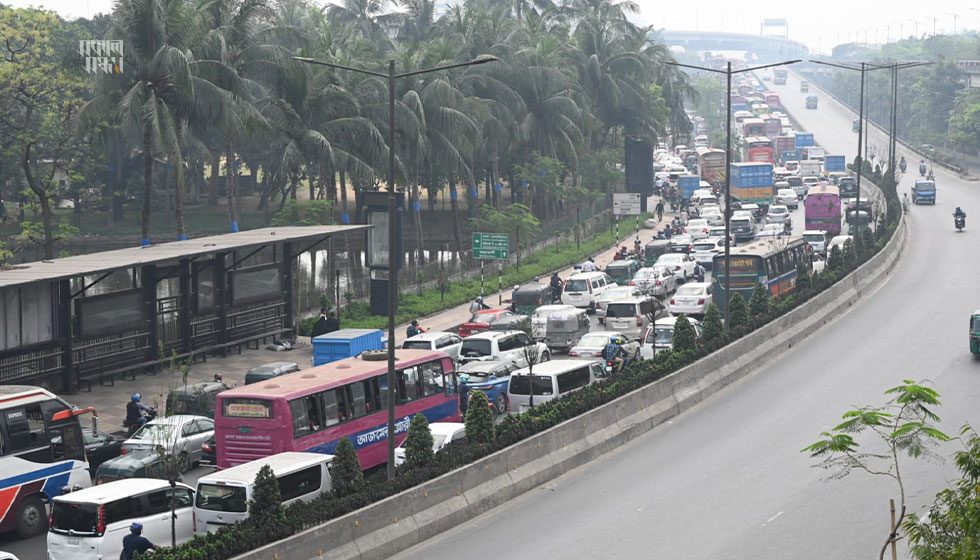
(265, 509)
(418, 443)
(759, 303)
(713, 330)
(847, 255)
(835, 261)
(479, 419)
(685, 339)
(345, 470)
(804, 281)
(738, 315)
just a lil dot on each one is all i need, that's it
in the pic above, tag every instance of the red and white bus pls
(758, 149)
(753, 127)
(311, 410)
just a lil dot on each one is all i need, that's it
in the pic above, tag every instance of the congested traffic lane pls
(727, 479)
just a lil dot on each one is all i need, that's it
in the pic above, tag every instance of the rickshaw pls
(975, 333)
(529, 297)
(565, 328)
(622, 271)
(654, 249)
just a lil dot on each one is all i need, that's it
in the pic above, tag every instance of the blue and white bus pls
(42, 451)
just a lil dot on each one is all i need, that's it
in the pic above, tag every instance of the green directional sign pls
(491, 246)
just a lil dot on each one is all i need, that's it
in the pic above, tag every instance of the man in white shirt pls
(589, 265)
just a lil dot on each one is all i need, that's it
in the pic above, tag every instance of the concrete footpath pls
(110, 401)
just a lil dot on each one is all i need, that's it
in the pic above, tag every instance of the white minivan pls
(90, 524)
(222, 498)
(583, 289)
(550, 380)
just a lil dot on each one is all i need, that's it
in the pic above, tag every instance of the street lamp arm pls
(706, 69)
(754, 68)
(483, 59)
(339, 66)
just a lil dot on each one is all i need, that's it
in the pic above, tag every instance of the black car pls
(100, 447)
(209, 452)
(139, 464)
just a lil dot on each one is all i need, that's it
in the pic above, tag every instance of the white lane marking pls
(772, 518)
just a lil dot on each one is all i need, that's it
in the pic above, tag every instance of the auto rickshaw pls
(565, 328)
(975, 333)
(622, 271)
(654, 249)
(529, 297)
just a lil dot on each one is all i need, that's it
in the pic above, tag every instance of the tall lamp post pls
(393, 260)
(728, 72)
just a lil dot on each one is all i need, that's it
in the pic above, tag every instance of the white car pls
(771, 230)
(495, 346)
(682, 265)
(697, 229)
(181, 435)
(442, 434)
(817, 238)
(655, 280)
(661, 336)
(681, 243)
(691, 299)
(811, 180)
(713, 215)
(778, 214)
(818, 263)
(447, 342)
(705, 250)
(612, 294)
(718, 232)
(838, 241)
(791, 165)
(592, 345)
(787, 197)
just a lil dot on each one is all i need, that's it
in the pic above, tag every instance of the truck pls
(774, 126)
(834, 163)
(803, 140)
(924, 192)
(809, 168)
(688, 184)
(345, 343)
(815, 152)
(779, 76)
(804, 86)
(772, 100)
(752, 182)
(811, 102)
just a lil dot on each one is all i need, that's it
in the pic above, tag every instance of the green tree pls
(479, 419)
(685, 339)
(835, 262)
(418, 443)
(847, 255)
(804, 280)
(345, 469)
(713, 330)
(905, 426)
(265, 508)
(738, 314)
(949, 531)
(760, 303)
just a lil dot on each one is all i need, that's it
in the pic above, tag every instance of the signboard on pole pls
(491, 246)
(626, 204)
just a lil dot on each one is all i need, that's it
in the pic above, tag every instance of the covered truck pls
(688, 184)
(834, 163)
(752, 182)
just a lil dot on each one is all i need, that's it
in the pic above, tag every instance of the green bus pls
(771, 262)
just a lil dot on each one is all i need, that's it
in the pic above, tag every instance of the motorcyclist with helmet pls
(614, 352)
(959, 216)
(137, 413)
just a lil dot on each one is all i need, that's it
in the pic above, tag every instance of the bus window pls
(408, 384)
(373, 397)
(66, 442)
(345, 409)
(25, 429)
(431, 378)
(306, 415)
(358, 400)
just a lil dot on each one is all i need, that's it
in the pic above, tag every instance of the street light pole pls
(393, 259)
(728, 156)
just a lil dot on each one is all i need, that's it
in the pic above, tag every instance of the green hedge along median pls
(428, 302)
(231, 541)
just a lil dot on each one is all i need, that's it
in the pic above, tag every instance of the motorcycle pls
(959, 222)
(131, 427)
(922, 170)
(903, 166)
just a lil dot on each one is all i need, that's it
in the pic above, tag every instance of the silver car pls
(655, 280)
(180, 435)
(592, 345)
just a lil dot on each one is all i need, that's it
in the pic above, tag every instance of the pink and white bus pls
(312, 409)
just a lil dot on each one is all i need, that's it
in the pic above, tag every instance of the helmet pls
(615, 339)
(464, 378)
(136, 527)
(415, 321)
(136, 397)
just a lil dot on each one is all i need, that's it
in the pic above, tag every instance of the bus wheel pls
(32, 519)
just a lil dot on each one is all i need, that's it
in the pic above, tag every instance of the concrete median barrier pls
(398, 522)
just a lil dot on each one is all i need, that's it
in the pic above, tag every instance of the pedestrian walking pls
(320, 327)
(660, 210)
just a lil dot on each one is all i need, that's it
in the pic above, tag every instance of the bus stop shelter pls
(65, 323)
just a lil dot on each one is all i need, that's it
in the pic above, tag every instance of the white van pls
(550, 380)
(583, 289)
(222, 498)
(90, 524)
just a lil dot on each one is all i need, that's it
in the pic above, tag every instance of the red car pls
(483, 319)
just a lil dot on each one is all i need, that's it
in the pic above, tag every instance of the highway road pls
(727, 479)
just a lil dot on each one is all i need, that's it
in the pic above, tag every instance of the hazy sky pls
(818, 24)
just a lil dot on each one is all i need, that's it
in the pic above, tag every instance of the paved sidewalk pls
(110, 402)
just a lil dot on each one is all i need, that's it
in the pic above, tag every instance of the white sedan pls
(705, 250)
(655, 280)
(442, 434)
(681, 264)
(778, 214)
(788, 198)
(713, 215)
(691, 299)
(592, 345)
(698, 229)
